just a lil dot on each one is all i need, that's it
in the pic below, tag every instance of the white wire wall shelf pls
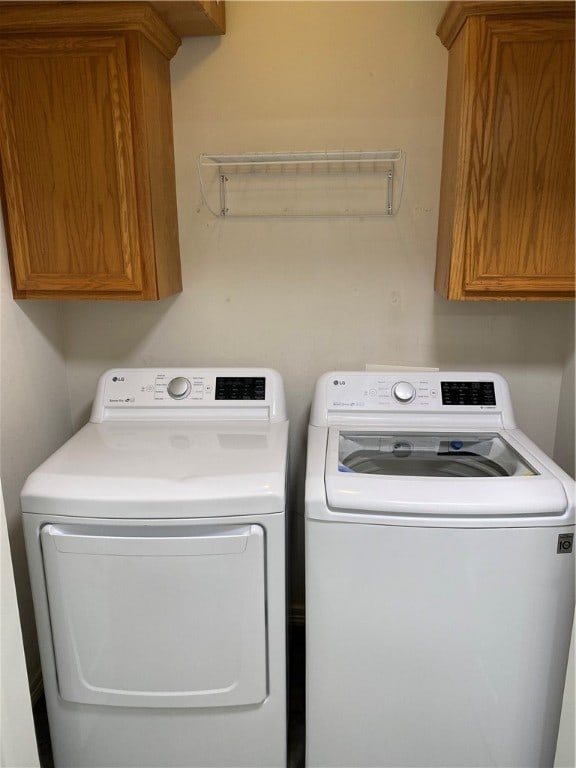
(313, 184)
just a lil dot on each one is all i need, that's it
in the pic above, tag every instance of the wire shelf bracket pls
(303, 184)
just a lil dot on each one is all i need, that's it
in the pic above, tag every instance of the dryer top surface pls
(164, 469)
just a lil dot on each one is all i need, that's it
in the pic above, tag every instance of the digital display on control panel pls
(240, 388)
(468, 393)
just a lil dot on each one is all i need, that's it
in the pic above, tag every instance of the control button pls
(403, 392)
(179, 388)
(456, 445)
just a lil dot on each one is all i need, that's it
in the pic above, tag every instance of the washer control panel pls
(370, 391)
(412, 391)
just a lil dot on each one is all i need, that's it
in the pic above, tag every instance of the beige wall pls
(564, 455)
(17, 740)
(34, 418)
(564, 444)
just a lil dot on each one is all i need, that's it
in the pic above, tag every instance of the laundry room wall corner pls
(34, 420)
(564, 455)
(565, 423)
(566, 746)
(17, 740)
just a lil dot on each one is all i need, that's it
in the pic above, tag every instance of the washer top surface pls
(433, 448)
(217, 447)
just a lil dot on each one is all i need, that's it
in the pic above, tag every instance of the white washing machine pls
(156, 547)
(439, 576)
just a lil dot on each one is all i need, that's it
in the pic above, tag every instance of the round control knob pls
(403, 392)
(179, 388)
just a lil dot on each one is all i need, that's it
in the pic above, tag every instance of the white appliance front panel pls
(95, 736)
(435, 647)
(152, 616)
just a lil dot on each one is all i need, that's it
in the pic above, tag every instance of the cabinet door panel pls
(520, 235)
(66, 143)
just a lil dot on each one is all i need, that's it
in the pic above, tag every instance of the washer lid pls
(164, 469)
(447, 474)
(430, 455)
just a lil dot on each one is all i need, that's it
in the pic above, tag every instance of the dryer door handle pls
(141, 541)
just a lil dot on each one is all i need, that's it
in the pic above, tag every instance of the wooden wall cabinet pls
(88, 183)
(506, 228)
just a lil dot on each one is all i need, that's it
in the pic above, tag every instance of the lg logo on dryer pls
(337, 383)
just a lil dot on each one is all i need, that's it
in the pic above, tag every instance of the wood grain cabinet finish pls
(88, 181)
(506, 228)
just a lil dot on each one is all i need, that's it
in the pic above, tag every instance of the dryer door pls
(157, 616)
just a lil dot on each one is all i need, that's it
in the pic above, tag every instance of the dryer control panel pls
(195, 393)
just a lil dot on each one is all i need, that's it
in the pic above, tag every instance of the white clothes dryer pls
(156, 546)
(439, 576)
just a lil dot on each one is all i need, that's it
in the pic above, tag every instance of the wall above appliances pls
(306, 184)
(506, 227)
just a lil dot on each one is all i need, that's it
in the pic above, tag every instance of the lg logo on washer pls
(339, 383)
(565, 543)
